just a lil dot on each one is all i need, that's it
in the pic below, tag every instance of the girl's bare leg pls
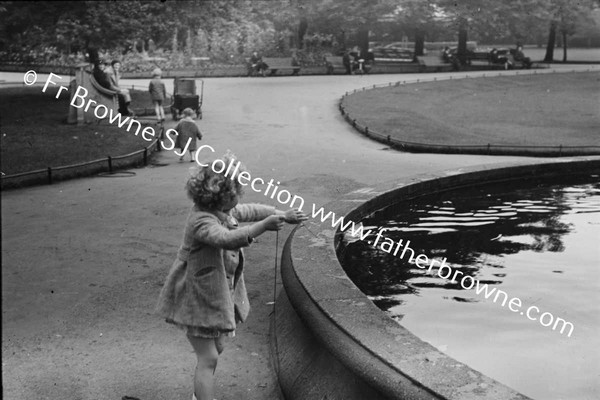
(157, 108)
(207, 353)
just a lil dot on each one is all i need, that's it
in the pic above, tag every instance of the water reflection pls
(466, 227)
(537, 242)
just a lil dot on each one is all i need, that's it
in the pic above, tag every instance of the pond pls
(537, 242)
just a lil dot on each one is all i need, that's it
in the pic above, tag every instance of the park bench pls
(433, 63)
(334, 62)
(281, 63)
(337, 62)
(111, 94)
(517, 63)
(95, 92)
(392, 55)
(501, 57)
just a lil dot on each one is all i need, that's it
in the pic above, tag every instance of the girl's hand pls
(294, 216)
(273, 222)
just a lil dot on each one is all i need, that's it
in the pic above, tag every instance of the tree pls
(465, 14)
(418, 17)
(349, 17)
(525, 19)
(565, 17)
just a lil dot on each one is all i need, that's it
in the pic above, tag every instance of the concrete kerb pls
(486, 149)
(332, 338)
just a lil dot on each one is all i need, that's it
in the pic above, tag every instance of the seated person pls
(498, 58)
(519, 56)
(446, 55)
(102, 77)
(114, 75)
(257, 65)
(99, 69)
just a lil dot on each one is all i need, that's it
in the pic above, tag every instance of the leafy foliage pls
(226, 31)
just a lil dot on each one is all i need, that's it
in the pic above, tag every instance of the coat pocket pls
(203, 272)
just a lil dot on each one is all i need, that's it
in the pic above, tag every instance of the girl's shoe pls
(194, 396)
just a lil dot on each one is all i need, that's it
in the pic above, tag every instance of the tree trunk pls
(302, 28)
(564, 35)
(342, 41)
(363, 39)
(551, 43)
(419, 42)
(462, 42)
(174, 40)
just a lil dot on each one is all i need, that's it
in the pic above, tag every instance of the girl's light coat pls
(205, 286)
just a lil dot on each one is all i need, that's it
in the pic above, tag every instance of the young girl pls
(204, 293)
(187, 132)
(158, 92)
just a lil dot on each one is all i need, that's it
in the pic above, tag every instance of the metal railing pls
(109, 164)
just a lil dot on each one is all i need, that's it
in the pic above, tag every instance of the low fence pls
(485, 149)
(109, 165)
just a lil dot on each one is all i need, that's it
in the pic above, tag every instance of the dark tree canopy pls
(233, 27)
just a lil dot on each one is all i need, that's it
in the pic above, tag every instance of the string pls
(275, 274)
(275, 305)
(309, 230)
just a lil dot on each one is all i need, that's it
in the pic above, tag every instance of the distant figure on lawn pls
(158, 93)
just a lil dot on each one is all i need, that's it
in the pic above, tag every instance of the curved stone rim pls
(395, 362)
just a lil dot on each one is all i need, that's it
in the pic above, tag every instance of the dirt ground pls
(83, 260)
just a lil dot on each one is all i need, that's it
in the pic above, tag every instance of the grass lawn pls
(544, 109)
(34, 134)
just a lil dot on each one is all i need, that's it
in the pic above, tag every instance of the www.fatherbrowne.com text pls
(271, 189)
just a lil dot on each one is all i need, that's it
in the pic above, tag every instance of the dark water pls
(537, 242)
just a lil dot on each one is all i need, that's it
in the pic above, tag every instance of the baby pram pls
(185, 95)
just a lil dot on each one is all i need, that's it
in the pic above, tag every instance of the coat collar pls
(225, 217)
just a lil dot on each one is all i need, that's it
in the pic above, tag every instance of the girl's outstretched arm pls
(292, 216)
(209, 230)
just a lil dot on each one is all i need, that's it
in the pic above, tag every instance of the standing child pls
(158, 92)
(204, 293)
(187, 132)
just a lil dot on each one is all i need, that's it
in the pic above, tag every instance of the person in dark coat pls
(257, 64)
(187, 133)
(347, 62)
(520, 56)
(158, 93)
(114, 74)
(99, 69)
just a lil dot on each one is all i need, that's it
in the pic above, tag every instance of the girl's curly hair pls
(209, 189)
